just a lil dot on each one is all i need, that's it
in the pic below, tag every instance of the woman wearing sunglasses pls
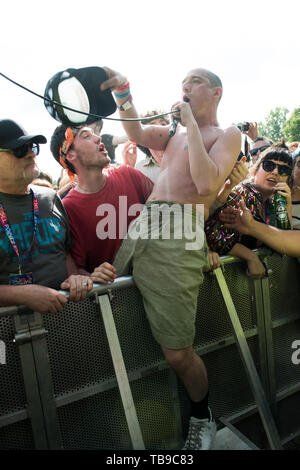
(270, 174)
(295, 184)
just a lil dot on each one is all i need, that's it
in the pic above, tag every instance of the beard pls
(97, 164)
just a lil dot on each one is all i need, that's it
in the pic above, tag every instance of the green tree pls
(292, 126)
(274, 124)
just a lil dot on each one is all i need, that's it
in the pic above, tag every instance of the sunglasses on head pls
(283, 170)
(261, 149)
(22, 151)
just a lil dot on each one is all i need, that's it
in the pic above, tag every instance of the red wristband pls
(123, 87)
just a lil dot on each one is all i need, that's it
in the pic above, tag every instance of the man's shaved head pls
(214, 80)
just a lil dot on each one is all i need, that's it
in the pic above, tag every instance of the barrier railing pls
(92, 376)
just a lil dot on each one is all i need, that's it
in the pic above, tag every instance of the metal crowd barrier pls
(92, 376)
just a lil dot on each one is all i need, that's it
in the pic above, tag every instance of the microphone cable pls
(151, 118)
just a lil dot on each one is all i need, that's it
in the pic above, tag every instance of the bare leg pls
(190, 369)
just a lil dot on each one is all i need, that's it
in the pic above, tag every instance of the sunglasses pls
(261, 149)
(22, 151)
(283, 170)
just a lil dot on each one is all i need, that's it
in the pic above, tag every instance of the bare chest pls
(176, 155)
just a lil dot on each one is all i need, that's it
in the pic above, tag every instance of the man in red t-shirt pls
(104, 201)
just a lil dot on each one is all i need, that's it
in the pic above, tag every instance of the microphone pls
(174, 125)
(175, 121)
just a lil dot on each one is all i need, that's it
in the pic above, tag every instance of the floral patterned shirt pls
(222, 239)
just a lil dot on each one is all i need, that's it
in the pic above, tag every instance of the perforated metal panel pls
(155, 404)
(78, 349)
(16, 436)
(229, 387)
(99, 422)
(12, 395)
(289, 416)
(284, 285)
(284, 292)
(139, 348)
(212, 321)
(287, 373)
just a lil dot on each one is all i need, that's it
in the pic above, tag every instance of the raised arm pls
(238, 174)
(155, 137)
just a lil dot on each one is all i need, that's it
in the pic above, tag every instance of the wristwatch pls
(126, 105)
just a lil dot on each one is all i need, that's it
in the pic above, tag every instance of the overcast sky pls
(253, 46)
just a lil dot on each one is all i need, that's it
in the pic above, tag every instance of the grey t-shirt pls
(47, 257)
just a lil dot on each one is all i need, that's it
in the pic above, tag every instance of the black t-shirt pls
(47, 257)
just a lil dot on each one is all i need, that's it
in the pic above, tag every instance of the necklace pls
(85, 191)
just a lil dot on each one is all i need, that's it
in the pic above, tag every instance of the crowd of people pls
(104, 220)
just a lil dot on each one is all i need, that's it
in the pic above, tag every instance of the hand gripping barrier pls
(92, 377)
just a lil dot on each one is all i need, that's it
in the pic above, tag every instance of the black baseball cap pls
(12, 135)
(79, 89)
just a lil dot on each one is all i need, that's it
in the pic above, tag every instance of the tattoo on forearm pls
(185, 147)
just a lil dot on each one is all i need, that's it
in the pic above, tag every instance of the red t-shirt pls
(99, 221)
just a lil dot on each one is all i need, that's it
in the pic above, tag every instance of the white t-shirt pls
(149, 167)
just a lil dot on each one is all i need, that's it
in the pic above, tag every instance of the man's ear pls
(71, 155)
(218, 91)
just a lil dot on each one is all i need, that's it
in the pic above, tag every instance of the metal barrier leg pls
(42, 365)
(121, 374)
(31, 339)
(173, 386)
(261, 331)
(34, 405)
(257, 389)
(269, 344)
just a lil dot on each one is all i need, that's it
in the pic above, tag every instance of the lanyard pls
(8, 230)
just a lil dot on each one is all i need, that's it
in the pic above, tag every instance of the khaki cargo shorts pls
(167, 252)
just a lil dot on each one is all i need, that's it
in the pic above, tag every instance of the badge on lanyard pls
(20, 278)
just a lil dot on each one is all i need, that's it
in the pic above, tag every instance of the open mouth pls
(186, 98)
(272, 181)
(102, 148)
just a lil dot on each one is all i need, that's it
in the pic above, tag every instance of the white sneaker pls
(201, 434)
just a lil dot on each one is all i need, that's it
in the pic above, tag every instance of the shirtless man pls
(197, 160)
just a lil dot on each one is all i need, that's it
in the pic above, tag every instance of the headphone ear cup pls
(72, 94)
(79, 89)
